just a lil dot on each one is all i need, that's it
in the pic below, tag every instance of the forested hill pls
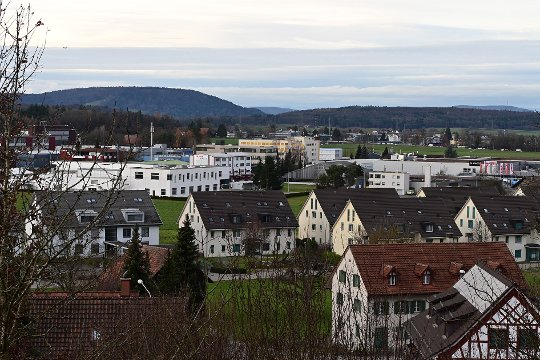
(177, 103)
(411, 118)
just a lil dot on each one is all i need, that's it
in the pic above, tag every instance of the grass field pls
(439, 151)
(296, 187)
(532, 277)
(226, 141)
(169, 211)
(296, 202)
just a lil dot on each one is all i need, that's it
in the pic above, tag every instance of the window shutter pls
(411, 306)
(407, 307)
(386, 308)
(397, 307)
(376, 308)
(422, 305)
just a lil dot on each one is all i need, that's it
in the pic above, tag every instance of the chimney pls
(125, 287)
(461, 273)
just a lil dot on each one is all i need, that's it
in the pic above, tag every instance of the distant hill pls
(272, 110)
(178, 103)
(494, 107)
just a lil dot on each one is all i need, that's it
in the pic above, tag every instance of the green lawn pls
(292, 187)
(532, 277)
(296, 202)
(226, 141)
(169, 211)
(349, 148)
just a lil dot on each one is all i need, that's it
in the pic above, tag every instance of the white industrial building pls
(158, 180)
(330, 154)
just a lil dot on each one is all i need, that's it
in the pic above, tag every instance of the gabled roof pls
(444, 262)
(454, 197)
(239, 209)
(332, 201)
(531, 192)
(66, 206)
(425, 216)
(454, 312)
(109, 279)
(507, 214)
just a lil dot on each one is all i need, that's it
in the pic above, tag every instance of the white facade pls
(390, 180)
(238, 163)
(363, 321)
(312, 222)
(306, 146)
(169, 181)
(348, 229)
(330, 154)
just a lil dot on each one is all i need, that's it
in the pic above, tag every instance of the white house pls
(231, 223)
(377, 288)
(158, 180)
(389, 180)
(305, 146)
(389, 220)
(238, 163)
(505, 219)
(483, 316)
(99, 221)
(323, 206)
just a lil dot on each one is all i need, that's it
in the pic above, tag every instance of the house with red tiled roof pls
(74, 326)
(376, 288)
(483, 316)
(157, 255)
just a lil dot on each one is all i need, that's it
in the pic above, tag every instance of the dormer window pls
(87, 216)
(426, 277)
(133, 215)
(392, 278)
(429, 227)
(236, 219)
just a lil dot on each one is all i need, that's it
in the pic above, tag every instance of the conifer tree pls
(137, 262)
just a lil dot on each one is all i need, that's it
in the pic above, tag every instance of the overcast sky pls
(299, 53)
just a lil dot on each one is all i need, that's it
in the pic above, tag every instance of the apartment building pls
(389, 180)
(256, 153)
(238, 163)
(305, 146)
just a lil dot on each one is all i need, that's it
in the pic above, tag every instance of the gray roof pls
(333, 201)
(454, 197)
(110, 205)
(240, 209)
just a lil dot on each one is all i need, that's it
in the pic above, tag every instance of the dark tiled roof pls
(425, 216)
(65, 205)
(71, 326)
(442, 259)
(454, 197)
(507, 214)
(109, 279)
(239, 209)
(332, 201)
(532, 192)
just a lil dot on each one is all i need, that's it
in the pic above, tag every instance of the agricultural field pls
(294, 188)
(349, 148)
(296, 202)
(169, 211)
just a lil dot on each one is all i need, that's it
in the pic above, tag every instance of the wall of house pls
(389, 180)
(347, 229)
(312, 222)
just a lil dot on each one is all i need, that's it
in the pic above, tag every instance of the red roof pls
(443, 260)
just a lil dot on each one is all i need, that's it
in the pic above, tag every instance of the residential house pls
(393, 220)
(454, 197)
(507, 219)
(305, 146)
(531, 192)
(238, 222)
(87, 324)
(96, 221)
(323, 206)
(483, 316)
(376, 288)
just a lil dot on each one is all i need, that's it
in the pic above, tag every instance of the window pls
(518, 239)
(314, 214)
(154, 176)
(236, 233)
(401, 307)
(212, 234)
(163, 192)
(357, 305)
(356, 280)
(527, 339)
(289, 232)
(126, 233)
(339, 298)
(139, 175)
(517, 254)
(145, 231)
(381, 338)
(313, 226)
(429, 228)
(470, 224)
(222, 248)
(236, 248)
(278, 232)
(426, 277)
(79, 248)
(461, 222)
(211, 249)
(342, 276)
(87, 218)
(182, 190)
(392, 278)
(94, 249)
(380, 307)
(173, 191)
(417, 306)
(169, 177)
(134, 216)
(498, 338)
(350, 227)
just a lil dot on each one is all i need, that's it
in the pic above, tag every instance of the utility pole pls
(151, 141)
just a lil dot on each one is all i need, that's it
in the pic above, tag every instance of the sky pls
(297, 53)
